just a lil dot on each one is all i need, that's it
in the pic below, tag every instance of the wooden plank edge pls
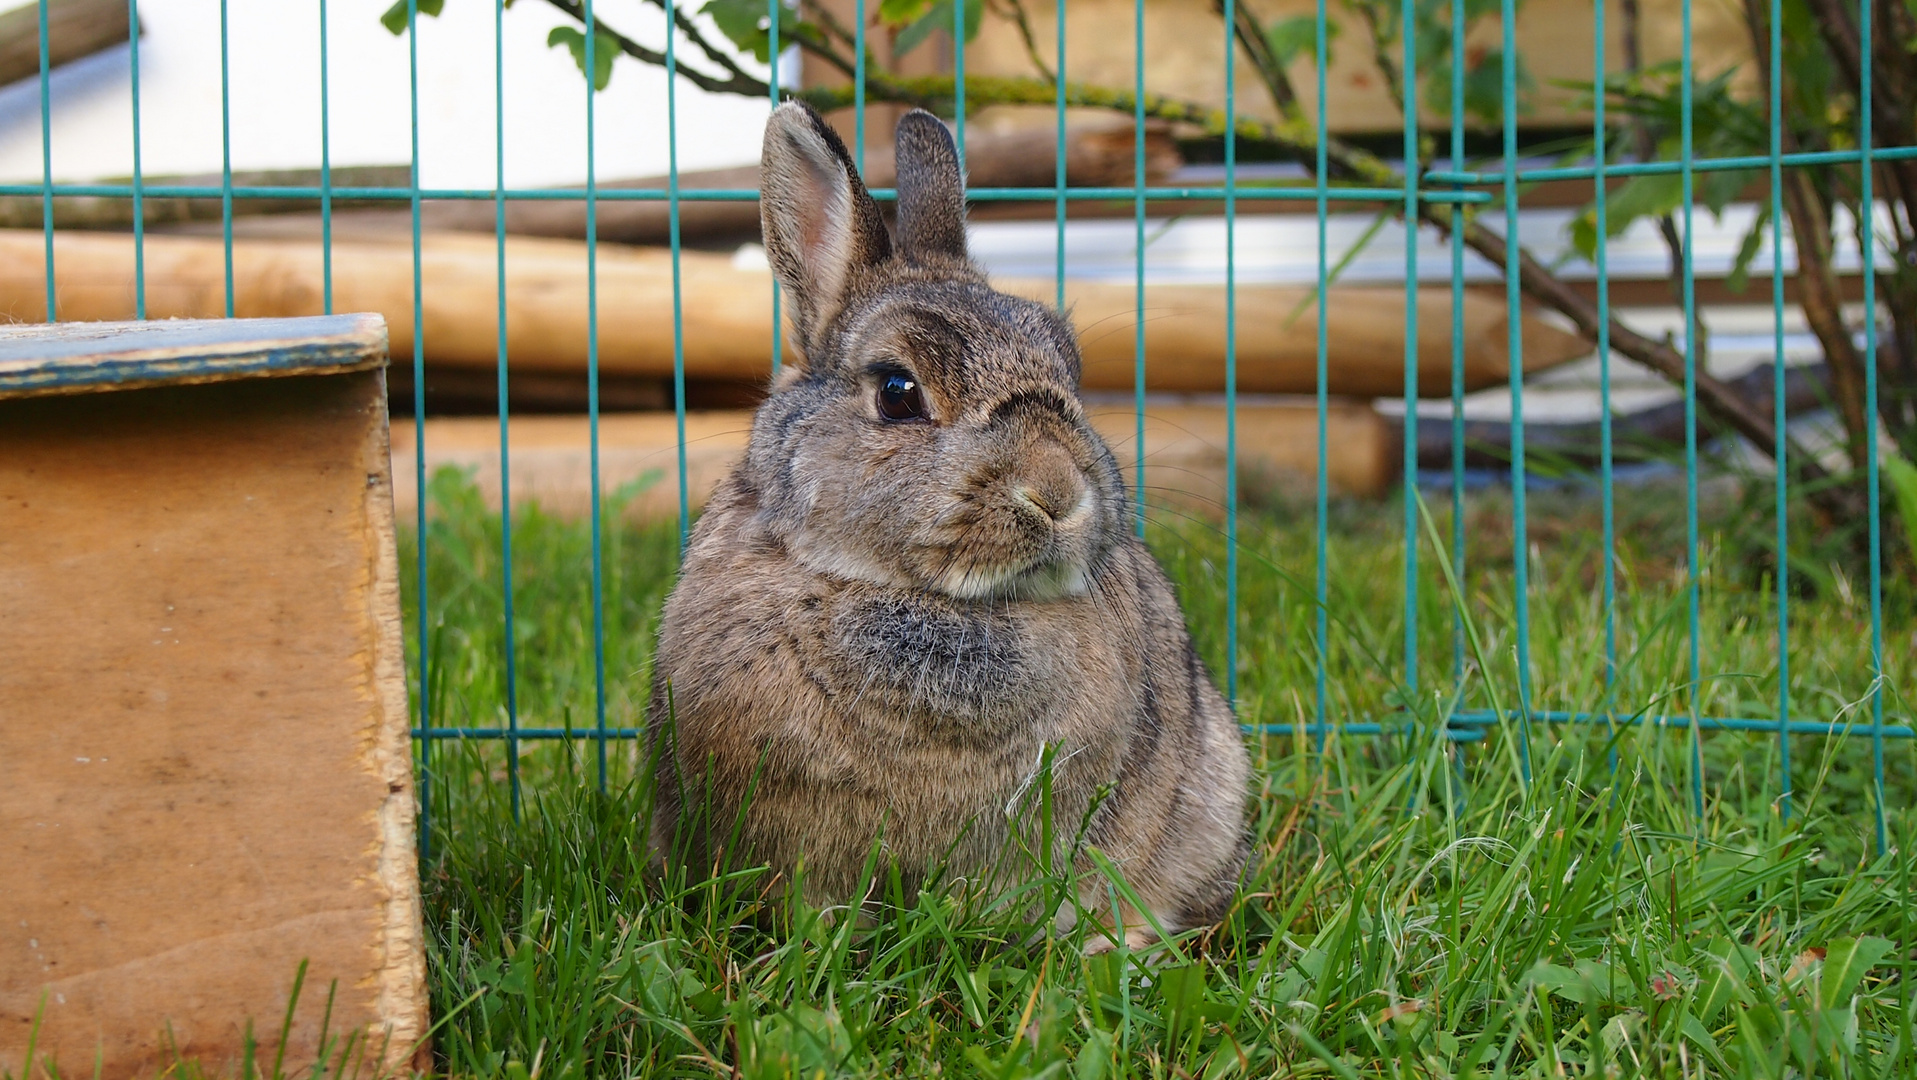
(358, 347)
(402, 997)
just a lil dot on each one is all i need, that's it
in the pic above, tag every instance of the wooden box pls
(205, 762)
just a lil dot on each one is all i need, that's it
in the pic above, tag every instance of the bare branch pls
(692, 34)
(1251, 37)
(1024, 25)
(737, 83)
(1380, 55)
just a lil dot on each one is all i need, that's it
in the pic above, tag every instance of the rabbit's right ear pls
(821, 226)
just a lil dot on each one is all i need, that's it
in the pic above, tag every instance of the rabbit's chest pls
(914, 671)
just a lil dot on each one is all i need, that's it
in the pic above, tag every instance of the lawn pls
(1414, 906)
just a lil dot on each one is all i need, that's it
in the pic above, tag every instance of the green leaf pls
(1095, 1057)
(1846, 962)
(1644, 196)
(1727, 979)
(896, 13)
(605, 49)
(1700, 1037)
(939, 17)
(748, 24)
(1584, 235)
(394, 18)
(1747, 251)
(1559, 980)
(1183, 989)
(1298, 36)
(1902, 476)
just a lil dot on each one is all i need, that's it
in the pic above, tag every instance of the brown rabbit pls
(921, 577)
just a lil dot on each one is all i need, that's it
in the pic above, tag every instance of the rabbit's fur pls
(880, 625)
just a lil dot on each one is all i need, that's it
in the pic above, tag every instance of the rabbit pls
(919, 583)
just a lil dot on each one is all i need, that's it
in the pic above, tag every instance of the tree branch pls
(737, 83)
(1251, 38)
(1817, 292)
(1024, 25)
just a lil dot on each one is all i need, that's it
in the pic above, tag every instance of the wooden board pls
(203, 717)
(75, 28)
(726, 312)
(69, 358)
(1184, 452)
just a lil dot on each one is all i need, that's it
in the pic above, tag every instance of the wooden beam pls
(726, 312)
(116, 212)
(1184, 453)
(75, 28)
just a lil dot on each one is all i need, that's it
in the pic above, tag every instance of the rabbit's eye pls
(899, 398)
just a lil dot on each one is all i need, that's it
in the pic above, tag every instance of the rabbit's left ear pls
(931, 190)
(821, 226)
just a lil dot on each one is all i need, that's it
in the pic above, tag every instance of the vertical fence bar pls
(1231, 355)
(1513, 301)
(678, 310)
(774, 8)
(226, 162)
(326, 169)
(1320, 586)
(1058, 157)
(1779, 418)
(139, 181)
(1866, 240)
(505, 451)
(1409, 14)
(419, 447)
(46, 161)
(958, 75)
(592, 404)
(1138, 266)
(858, 90)
(1692, 590)
(1600, 195)
(1458, 19)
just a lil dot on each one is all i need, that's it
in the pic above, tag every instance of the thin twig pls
(738, 83)
(1024, 24)
(1251, 37)
(1381, 40)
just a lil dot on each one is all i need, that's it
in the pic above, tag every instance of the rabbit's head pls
(932, 437)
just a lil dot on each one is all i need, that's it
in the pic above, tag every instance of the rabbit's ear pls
(821, 226)
(931, 190)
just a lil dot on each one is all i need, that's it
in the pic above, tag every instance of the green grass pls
(1413, 908)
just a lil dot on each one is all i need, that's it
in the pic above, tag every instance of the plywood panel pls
(203, 724)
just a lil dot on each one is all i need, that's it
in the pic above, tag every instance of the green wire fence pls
(1457, 187)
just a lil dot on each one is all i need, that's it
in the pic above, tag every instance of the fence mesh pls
(1466, 187)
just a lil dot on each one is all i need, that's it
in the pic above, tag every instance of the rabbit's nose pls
(1063, 500)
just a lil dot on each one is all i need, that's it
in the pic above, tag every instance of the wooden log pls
(551, 463)
(206, 736)
(1097, 155)
(727, 314)
(116, 212)
(75, 28)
